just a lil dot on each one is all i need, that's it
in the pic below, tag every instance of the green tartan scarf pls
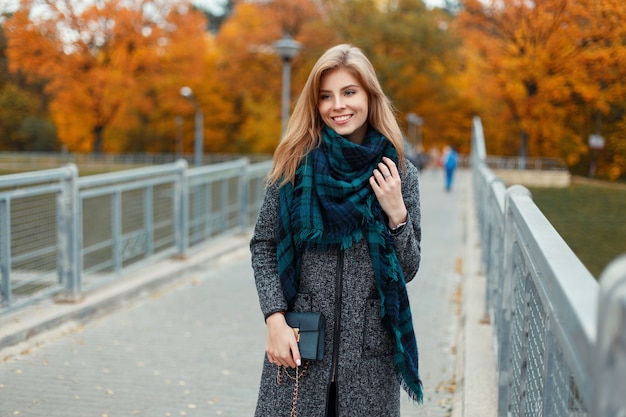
(331, 205)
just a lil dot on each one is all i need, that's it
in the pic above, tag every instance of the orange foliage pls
(108, 66)
(251, 70)
(414, 53)
(544, 69)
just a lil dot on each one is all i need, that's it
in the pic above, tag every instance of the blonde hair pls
(303, 133)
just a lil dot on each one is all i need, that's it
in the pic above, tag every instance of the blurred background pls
(150, 81)
(105, 76)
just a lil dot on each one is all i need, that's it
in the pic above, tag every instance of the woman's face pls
(343, 104)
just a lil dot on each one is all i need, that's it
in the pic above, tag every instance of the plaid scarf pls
(332, 206)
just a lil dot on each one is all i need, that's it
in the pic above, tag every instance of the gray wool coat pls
(341, 285)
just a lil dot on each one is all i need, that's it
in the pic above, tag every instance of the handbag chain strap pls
(298, 375)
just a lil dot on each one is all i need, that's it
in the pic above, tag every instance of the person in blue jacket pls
(449, 161)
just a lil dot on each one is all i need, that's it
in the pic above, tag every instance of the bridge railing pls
(62, 235)
(559, 336)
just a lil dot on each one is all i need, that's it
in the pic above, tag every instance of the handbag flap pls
(305, 321)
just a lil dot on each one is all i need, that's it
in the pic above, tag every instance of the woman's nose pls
(339, 103)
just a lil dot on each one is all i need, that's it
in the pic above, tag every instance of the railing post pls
(610, 370)
(148, 220)
(5, 252)
(244, 203)
(69, 236)
(181, 209)
(479, 153)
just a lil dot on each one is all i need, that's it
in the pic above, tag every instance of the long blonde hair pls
(304, 128)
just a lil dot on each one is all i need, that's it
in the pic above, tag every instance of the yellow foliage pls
(541, 67)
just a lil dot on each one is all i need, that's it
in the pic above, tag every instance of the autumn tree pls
(24, 122)
(414, 54)
(249, 67)
(544, 71)
(408, 44)
(105, 62)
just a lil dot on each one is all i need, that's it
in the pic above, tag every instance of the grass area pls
(590, 218)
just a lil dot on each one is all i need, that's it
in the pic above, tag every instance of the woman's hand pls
(281, 346)
(388, 189)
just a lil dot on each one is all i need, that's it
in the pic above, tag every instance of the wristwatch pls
(397, 229)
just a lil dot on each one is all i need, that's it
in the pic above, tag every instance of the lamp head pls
(186, 92)
(287, 48)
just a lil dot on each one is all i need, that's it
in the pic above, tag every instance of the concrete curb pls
(24, 328)
(476, 380)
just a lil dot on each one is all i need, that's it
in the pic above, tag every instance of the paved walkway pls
(186, 338)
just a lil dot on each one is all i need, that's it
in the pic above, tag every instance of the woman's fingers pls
(281, 346)
(386, 174)
(387, 187)
(388, 168)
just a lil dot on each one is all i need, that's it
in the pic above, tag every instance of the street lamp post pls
(179, 136)
(288, 49)
(199, 126)
(415, 128)
(596, 144)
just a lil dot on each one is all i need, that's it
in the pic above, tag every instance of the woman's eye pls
(349, 92)
(324, 96)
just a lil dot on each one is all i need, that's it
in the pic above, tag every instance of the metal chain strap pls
(298, 375)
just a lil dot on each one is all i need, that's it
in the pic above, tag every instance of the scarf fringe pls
(415, 393)
(320, 241)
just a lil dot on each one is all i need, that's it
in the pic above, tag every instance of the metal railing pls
(61, 235)
(536, 164)
(11, 162)
(559, 335)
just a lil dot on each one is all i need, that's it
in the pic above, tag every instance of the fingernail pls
(298, 362)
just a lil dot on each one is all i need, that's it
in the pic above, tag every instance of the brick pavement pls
(193, 346)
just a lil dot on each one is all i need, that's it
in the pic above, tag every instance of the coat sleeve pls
(408, 242)
(263, 251)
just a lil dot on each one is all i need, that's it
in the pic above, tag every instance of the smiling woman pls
(339, 234)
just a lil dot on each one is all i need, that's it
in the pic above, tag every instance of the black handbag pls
(309, 328)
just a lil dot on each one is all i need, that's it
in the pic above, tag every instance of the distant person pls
(434, 159)
(419, 159)
(449, 162)
(339, 233)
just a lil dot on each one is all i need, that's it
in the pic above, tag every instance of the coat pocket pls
(376, 341)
